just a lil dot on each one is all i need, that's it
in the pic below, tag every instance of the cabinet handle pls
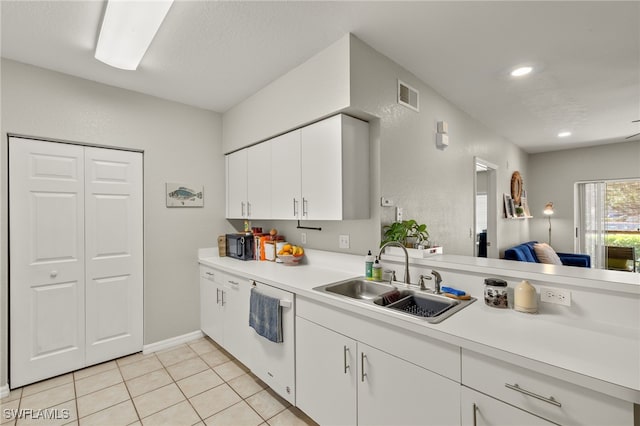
(235, 283)
(551, 400)
(53, 274)
(242, 206)
(222, 298)
(295, 208)
(217, 296)
(362, 373)
(346, 366)
(305, 203)
(475, 414)
(248, 209)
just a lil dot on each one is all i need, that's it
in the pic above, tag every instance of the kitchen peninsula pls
(585, 356)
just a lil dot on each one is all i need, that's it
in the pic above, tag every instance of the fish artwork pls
(183, 194)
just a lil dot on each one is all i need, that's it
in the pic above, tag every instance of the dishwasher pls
(274, 363)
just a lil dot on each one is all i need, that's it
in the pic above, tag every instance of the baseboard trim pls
(171, 342)
(4, 391)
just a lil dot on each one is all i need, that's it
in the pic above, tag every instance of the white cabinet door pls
(46, 206)
(211, 315)
(113, 247)
(482, 410)
(326, 375)
(335, 169)
(236, 171)
(259, 181)
(285, 176)
(394, 391)
(321, 162)
(235, 303)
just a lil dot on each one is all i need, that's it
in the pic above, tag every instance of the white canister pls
(525, 298)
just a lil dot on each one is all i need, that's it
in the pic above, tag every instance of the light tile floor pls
(195, 383)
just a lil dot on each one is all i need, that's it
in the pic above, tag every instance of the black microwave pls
(240, 246)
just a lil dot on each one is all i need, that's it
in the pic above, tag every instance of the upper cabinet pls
(334, 162)
(319, 172)
(285, 176)
(236, 175)
(248, 174)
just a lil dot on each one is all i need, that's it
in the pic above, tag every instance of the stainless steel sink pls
(358, 289)
(398, 298)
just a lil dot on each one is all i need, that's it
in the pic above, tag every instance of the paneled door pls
(76, 261)
(113, 247)
(46, 248)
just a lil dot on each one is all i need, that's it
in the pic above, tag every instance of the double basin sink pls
(398, 298)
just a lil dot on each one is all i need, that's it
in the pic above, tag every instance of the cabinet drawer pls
(222, 278)
(542, 395)
(208, 273)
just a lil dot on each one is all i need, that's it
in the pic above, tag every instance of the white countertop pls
(597, 357)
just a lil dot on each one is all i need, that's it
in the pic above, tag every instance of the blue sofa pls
(525, 253)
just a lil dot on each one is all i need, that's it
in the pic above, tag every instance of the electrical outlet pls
(303, 238)
(386, 202)
(343, 241)
(399, 214)
(555, 295)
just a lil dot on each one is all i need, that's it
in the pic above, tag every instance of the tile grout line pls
(75, 394)
(185, 396)
(129, 393)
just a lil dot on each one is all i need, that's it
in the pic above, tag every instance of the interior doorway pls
(485, 209)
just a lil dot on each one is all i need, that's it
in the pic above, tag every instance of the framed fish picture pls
(184, 195)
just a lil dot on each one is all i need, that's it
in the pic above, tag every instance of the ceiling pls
(211, 54)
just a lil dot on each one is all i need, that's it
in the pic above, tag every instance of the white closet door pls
(114, 263)
(46, 209)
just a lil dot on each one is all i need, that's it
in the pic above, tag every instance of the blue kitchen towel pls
(265, 316)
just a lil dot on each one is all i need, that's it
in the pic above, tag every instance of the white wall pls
(317, 88)
(553, 175)
(180, 143)
(433, 186)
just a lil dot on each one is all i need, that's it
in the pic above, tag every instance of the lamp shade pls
(548, 208)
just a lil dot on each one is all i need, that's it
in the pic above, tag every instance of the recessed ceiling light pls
(519, 72)
(564, 134)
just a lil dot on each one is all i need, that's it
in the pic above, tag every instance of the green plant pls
(402, 231)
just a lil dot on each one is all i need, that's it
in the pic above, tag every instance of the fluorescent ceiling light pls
(564, 134)
(127, 30)
(519, 72)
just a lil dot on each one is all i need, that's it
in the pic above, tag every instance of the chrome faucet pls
(437, 281)
(406, 258)
(421, 282)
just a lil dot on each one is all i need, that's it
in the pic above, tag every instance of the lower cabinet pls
(343, 381)
(544, 396)
(325, 374)
(224, 311)
(481, 410)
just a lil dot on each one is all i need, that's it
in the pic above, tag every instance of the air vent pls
(408, 96)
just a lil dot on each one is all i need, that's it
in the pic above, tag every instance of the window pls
(608, 214)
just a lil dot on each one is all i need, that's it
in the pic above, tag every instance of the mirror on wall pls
(485, 223)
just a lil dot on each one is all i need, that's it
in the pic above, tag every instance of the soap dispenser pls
(525, 298)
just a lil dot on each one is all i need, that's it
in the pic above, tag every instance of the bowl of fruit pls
(290, 254)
